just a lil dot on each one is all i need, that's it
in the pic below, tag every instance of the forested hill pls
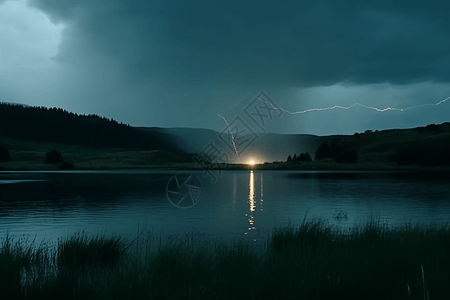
(58, 125)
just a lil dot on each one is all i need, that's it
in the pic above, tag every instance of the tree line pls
(335, 151)
(327, 150)
(303, 157)
(58, 125)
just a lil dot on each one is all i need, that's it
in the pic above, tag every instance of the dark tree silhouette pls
(304, 157)
(324, 151)
(58, 125)
(336, 151)
(289, 159)
(432, 127)
(4, 154)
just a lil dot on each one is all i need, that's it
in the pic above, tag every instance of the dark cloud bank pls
(285, 42)
(196, 53)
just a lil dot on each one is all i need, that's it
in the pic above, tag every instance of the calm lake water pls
(239, 205)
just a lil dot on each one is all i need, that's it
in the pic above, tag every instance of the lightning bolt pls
(353, 105)
(329, 108)
(231, 133)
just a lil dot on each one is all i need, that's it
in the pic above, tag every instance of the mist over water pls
(244, 205)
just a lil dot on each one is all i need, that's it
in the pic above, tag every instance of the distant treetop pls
(58, 125)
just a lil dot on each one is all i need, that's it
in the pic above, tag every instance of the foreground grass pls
(310, 261)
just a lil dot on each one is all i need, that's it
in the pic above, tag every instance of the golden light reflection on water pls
(251, 191)
(251, 201)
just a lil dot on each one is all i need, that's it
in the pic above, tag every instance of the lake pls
(238, 205)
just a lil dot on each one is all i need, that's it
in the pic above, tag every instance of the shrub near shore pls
(310, 261)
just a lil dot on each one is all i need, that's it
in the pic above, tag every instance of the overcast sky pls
(181, 63)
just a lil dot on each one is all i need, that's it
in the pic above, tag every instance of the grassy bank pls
(98, 159)
(311, 261)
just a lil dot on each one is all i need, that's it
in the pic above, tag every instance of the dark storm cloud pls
(234, 43)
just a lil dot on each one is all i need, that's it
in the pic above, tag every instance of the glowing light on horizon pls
(251, 163)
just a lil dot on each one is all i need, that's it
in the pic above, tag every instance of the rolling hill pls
(39, 124)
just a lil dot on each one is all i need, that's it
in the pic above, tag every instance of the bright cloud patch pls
(29, 40)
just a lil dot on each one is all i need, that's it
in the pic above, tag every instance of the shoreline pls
(114, 159)
(368, 167)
